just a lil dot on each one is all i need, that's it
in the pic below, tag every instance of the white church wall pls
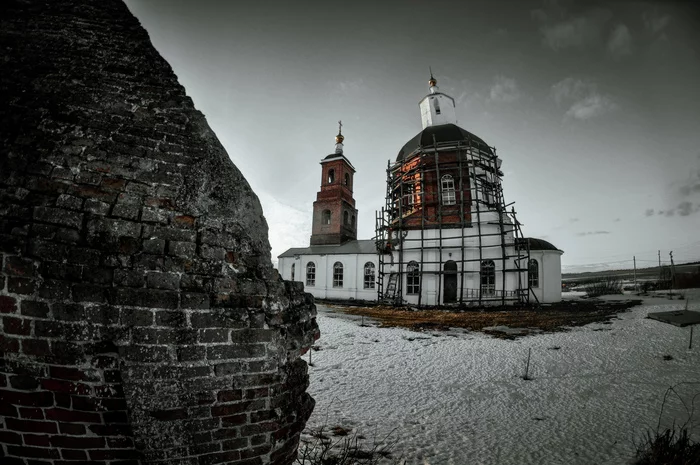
(434, 259)
(353, 275)
(549, 283)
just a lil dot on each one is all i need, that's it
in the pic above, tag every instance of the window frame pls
(533, 276)
(447, 189)
(412, 278)
(487, 270)
(370, 276)
(311, 274)
(338, 270)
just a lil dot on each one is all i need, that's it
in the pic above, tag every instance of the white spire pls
(437, 108)
(339, 139)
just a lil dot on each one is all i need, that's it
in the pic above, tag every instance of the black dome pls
(442, 133)
(537, 244)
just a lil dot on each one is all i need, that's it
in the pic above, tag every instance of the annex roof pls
(538, 244)
(367, 246)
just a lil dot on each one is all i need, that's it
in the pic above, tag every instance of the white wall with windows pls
(334, 276)
(548, 282)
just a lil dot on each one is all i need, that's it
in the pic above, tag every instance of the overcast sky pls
(594, 107)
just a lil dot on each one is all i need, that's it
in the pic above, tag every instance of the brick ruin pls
(142, 320)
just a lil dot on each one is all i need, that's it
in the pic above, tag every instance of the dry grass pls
(551, 318)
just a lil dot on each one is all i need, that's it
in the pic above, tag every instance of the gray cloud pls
(571, 31)
(649, 212)
(654, 22)
(592, 233)
(685, 208)
(504, 89)
(582, 97)
(573, 220)
(620, 41)
(617, 220)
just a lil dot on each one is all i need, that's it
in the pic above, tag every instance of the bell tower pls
(335, 215)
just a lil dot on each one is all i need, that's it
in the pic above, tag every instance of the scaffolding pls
(446, 198)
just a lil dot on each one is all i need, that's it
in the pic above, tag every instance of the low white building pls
(342, 272)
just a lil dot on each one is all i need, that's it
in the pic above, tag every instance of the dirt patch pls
(556, 317)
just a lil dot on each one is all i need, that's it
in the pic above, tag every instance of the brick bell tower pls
(335, 215)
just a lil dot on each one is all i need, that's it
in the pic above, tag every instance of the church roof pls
(337, 156)
(367, 246)
(443, 133)
(537, 244)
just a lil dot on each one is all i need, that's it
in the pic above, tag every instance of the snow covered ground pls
(458, 397)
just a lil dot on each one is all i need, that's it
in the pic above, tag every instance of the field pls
(458, 396)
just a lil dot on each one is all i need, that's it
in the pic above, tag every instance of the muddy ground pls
(509, 323)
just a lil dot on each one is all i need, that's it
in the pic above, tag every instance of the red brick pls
(230, 396)
(111, 430)
(73, 454)
(72, 416)
(72, 428)
(13, 325)
(72, 374)
(85, 404)
(31, 413)
(8, 304)
(8, 437)
(8, 344)
(39, 347)
(234, 420)
(120, 443)
(113, 454)
(36, 440)
(68, 387)
(70, 442)
(7, 410)
(19, 266)
(229, 409)
(21, 286)
(32, 452)
(30, 399)
(184, 221)
(31, 426)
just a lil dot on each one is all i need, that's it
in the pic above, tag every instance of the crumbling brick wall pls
(142, 321)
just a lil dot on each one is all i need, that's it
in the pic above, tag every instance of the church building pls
(445, 236)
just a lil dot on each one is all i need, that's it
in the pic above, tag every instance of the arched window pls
(331, 176)
(347, 179)
(369, 275)
(293, 271)
(311, 274)
(533, 273)
(488, 278)
(353, 222)
(326, 217)
(346, 218)
(448, 190)
(337, 274)
(412, 278)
